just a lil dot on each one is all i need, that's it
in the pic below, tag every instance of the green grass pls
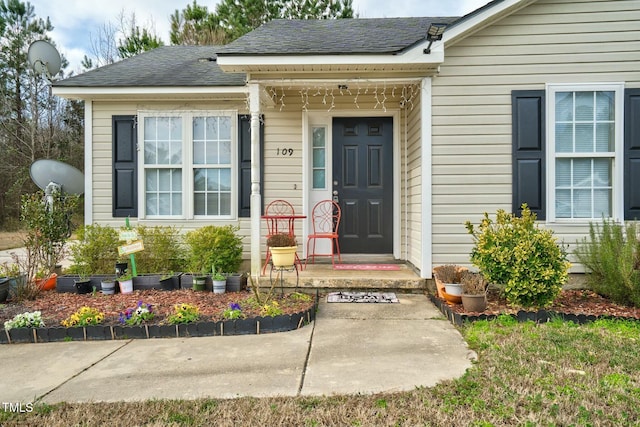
(526, 375)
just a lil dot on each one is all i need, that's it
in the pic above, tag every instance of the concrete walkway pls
(350, 348)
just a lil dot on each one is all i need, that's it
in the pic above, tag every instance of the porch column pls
(256, 200)
(426, 196)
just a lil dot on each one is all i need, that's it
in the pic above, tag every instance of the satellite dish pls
(44, 58)
(53, 175)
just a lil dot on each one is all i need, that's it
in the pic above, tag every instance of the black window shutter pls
(125, 182)
(632, 154)
(244, 157)
(528, 144)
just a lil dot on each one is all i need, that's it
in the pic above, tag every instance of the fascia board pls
(82, 92)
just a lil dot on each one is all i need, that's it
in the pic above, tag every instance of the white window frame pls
(188, 191)
(618, 158)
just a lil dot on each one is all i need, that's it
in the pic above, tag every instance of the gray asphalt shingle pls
(163, 66)
(333, 36)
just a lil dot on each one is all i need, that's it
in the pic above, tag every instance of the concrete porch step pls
(323, 276)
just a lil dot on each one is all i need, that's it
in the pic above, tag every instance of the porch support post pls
(426, 199)
(255, 200)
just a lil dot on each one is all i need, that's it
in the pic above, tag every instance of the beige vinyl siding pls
(412, 211)
(102, 163)
(551, 41)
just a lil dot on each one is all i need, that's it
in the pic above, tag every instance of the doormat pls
(362, 297)
(387, 267)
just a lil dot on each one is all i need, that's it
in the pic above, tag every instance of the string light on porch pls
(327, 93)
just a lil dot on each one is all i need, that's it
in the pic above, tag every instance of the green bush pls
(96, 250)
(525, 260)
(611, 255)
(162, 252)
(218, 246)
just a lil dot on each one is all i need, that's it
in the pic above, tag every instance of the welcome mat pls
(388, 267)
(362, 297)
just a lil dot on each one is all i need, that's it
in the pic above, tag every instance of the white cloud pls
(76, 22)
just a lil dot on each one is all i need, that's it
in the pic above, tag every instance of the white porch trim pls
(426, 133)
(256, 199)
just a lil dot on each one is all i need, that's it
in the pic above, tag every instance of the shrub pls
(525, 260)
(96, 250)
(611, 255)
(162, 250)
(217, 246)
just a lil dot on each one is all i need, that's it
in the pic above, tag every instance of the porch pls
(323, 277)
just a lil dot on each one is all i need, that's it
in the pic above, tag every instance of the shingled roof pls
(333, 36)
(163, 66)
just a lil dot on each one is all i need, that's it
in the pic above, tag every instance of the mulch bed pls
(577, 302)
(56, 307)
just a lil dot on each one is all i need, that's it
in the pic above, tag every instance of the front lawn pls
(527, 374)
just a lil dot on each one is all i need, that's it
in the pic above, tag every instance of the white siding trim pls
(85, 92)
(88, 163)
(397, 187)
(255, 198)
(426, 252)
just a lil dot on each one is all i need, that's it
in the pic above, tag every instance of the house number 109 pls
(284, 151)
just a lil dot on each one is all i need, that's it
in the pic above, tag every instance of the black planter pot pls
(4, 288)
(166, 284)
(84, 286)
(236, 282)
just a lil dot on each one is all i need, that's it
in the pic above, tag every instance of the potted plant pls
(283, 248)
(474, 292)
(449, 286)
(83, 282)
(108, 285)
(126, 283)
(219, 281)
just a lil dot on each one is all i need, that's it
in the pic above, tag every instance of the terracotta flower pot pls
(474, 303)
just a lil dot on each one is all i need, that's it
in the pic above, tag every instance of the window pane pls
(150, 153)
(564, 137)
(225, 179)
(211, 157)
(224, 127)
(604, 137)
(162, 153)
(584, 138)
(602, 172)
(211, 128)
(563, 172)
(582, 203)
(176, 128)
(164, 182)
(176, 203)
(319, 137)
(176, 176)
(582, 173)
(198, 152)
(164, 204)
(198, 128)
(225, 204)
(602, 203)
(584, 106)
(564, 106)
(605, 107)
(318, 178)
(199, 206)
(152, 179)
(212, 204)
(563, 203)
(318, 158)
(225, 152)
(213, 182)
(151, 204)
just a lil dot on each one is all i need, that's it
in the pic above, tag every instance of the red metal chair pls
(325, 218)
(279, 225)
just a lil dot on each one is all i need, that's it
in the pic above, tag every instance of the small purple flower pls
(234, 306)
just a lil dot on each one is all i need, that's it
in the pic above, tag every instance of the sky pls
(78, 22)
